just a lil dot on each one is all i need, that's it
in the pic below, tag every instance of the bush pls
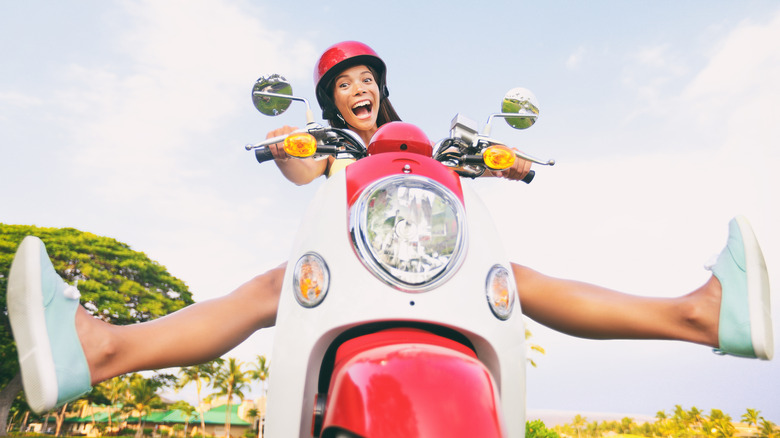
(537, 429)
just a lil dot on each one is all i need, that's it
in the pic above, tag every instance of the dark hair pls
(386, 113)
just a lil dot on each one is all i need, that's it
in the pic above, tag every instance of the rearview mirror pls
(522, 102)
(273, 84)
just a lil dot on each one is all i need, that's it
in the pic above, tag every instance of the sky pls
(128, 119)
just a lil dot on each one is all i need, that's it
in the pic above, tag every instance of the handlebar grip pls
(529, 177)
(263, 154)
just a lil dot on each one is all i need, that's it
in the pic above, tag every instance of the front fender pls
(411, 383)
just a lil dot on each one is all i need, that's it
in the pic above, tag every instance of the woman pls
(63, 350)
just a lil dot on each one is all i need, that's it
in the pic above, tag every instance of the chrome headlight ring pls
(410, 231)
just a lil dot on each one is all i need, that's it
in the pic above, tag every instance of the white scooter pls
(398, 315)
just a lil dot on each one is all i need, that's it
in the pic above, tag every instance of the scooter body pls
(375, 359)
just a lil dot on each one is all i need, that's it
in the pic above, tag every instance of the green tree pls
(254, 414)
(144, 397)
(718, 424)
(187, 411)
(627, 424)
(537, 429)
(768, 429)
(752, 417)
(117, 285)
(594, 428)
(579, 422)
(198, 374)
(230, 381)
(115, 391)
(260, 371)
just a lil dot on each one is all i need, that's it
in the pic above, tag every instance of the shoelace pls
(711, 262)
(71, 292)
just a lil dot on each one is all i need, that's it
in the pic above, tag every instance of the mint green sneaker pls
(745, 326)
(42, 311)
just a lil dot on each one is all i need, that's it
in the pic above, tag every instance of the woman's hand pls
(517, 172)
(277, 149)
(299, 171)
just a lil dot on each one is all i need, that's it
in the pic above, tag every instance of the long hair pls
(385, 114)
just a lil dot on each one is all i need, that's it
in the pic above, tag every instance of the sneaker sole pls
(28, 322)
(759, 303)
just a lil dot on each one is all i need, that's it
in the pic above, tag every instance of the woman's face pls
(356, 95)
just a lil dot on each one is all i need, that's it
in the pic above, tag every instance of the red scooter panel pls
(411, 383)
(374, 167)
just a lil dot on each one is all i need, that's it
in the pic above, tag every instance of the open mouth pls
(362, 109)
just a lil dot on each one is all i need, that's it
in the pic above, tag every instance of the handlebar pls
(263, 154)
(464, 158)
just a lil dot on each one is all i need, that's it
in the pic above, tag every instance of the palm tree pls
(254, 414)
(197, 374)
(143, 393)
(230, 380)
(695, 417)
(719, 424)
(116, 390)
(578, 422)
(594, 429)
(626, 424)
(187, 411)
(768, 429)
(261, 371)
(751, 417)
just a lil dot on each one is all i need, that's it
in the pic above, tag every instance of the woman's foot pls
(745, 321)
(42, 311)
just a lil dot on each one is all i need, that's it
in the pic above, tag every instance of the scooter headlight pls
(410, 231)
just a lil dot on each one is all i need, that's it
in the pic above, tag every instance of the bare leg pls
(192, 335)
(589, 311)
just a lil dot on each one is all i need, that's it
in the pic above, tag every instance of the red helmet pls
(338, 58)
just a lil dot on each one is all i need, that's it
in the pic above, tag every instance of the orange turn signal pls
(311, 280)
(498, 157)
(500, 292)
(301, 145)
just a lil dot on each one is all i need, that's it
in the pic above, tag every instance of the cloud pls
(185, 63)
(574, 61)
(147, 130)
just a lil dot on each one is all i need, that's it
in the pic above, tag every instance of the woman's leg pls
(589, 311)
(63, 350)
(195, 334)
(731, 311)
